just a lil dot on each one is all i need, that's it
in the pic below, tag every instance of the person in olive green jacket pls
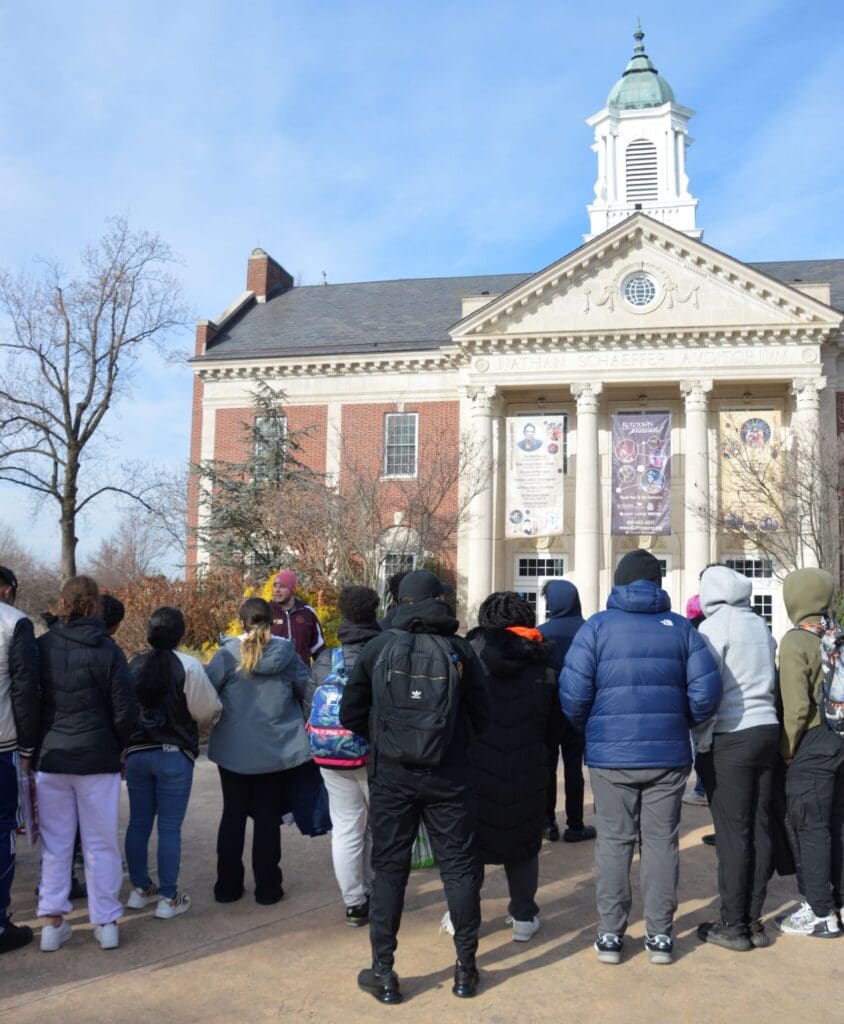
(815, 781)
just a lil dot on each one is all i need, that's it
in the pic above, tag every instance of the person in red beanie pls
(293, 619)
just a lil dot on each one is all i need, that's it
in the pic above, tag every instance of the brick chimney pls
(265, 277)
(205, 331)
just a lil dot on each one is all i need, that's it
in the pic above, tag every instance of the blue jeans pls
(8, 823)
(159, 783)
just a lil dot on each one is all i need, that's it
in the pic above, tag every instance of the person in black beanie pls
(635, 676)
(402, 790)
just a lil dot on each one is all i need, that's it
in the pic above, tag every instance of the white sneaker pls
(695, 799)
(107, 935)
(140, 898)
(53, 936)
(524, 931)
(180, 904)
(805, 922)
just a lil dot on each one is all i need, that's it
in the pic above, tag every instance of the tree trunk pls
(69, 542)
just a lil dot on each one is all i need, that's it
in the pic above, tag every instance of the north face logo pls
(666, 622)
(416, 695)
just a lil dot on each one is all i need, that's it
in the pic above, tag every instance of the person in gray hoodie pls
(260, 737)
(742, 757)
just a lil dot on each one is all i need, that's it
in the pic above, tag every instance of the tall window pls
(269, 435)
(401, 430)
(761, 570)
(641, 171)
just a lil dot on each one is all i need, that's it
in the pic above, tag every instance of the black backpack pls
(415, 696)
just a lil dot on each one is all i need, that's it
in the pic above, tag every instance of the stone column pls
(806, 425)
(587, 497)
(696, 555)
(481, 525)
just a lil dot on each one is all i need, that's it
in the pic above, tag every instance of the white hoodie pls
(742, 646)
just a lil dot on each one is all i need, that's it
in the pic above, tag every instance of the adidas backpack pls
(830, 695)
(415, 697)
(333, 746)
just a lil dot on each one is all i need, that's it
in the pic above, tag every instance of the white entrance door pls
(532, 572)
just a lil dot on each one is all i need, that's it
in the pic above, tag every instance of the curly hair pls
(80, 598)
(358, 604)
(505, 608)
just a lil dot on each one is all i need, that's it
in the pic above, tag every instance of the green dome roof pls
(640, 85)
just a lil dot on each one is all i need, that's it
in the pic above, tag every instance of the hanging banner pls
(751, 469)
(641, 474)
(536, 466)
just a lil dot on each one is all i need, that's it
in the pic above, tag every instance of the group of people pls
(456, 735)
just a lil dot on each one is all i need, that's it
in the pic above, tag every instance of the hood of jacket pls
(807, 593)
(562, 599)
(505, 653)
(427, 616)
(357, 632)
(277, 655)
(720, 586)
(90, 632)
(641, 597)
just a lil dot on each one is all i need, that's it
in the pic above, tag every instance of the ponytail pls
(164, 633)
(256, 616)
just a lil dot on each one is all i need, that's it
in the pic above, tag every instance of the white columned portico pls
(697, 518)
(587, 497)
(806, 424)
(481, 526)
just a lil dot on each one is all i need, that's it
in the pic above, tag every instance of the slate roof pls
(395, 316)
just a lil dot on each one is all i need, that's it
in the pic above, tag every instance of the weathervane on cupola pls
(641, 137)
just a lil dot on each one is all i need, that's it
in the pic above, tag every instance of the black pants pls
(257, 797)
(743, 764)
(815, 792)
(399, 799)
(522, 882)
(571, 745)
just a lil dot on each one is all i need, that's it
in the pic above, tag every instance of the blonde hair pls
(257, 617)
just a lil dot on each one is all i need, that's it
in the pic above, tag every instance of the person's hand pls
(26, 763)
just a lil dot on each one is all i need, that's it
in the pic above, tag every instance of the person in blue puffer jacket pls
(636, 677)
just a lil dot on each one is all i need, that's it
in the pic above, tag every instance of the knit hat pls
(637, 565)
(693, 609)
(287, 579)
(418, 585)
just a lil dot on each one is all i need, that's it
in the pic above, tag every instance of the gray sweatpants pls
(630, 802)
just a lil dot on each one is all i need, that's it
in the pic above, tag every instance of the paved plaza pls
(297, 960)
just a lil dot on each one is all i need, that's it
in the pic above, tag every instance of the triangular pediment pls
(641, 277)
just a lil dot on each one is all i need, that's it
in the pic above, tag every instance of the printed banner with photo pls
(536, 464)
(641, 474)
(751, 468)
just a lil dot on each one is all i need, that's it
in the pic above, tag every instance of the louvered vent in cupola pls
(641, 171)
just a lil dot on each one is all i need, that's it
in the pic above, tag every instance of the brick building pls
(642, 324)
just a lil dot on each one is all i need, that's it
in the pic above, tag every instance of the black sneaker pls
(357, 917)
(221, 896)
(381, 982)
(578, 833)
(608, 947)
(466, 981)
(269, 899)
(719, 934)
(14, 936)
(660, 949)
(551, 832)
(709, 839)
(759, 938)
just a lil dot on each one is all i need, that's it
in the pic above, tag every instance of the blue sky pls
(378, 140)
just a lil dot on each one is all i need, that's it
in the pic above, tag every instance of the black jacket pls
(170, 723)
(87, 704)
(562, 604)
(353, 638)
(428, 616)
(510, 759)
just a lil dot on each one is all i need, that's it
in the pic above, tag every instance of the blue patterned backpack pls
(332, 746)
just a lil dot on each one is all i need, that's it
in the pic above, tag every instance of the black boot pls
(380, 981)
(758, 936)
(466, 980)
(14, 936)
(730, 937)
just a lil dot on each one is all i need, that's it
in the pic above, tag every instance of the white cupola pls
(641, 137)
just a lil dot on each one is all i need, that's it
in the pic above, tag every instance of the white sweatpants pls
(351, 838)
(93, 803)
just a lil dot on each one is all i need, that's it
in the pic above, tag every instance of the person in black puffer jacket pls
(510, 758)
(88, 710)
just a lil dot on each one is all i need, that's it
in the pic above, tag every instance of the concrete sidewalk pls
(243, 962)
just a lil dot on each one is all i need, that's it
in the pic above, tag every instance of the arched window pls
(641, 171)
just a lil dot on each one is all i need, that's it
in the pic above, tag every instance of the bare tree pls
(782, 499)
(135, 550)
(38, 581)
(69, 347)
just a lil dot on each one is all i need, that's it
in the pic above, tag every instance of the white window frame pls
(525, 585)
(386, 475)
(761, 586)
(383, 575)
